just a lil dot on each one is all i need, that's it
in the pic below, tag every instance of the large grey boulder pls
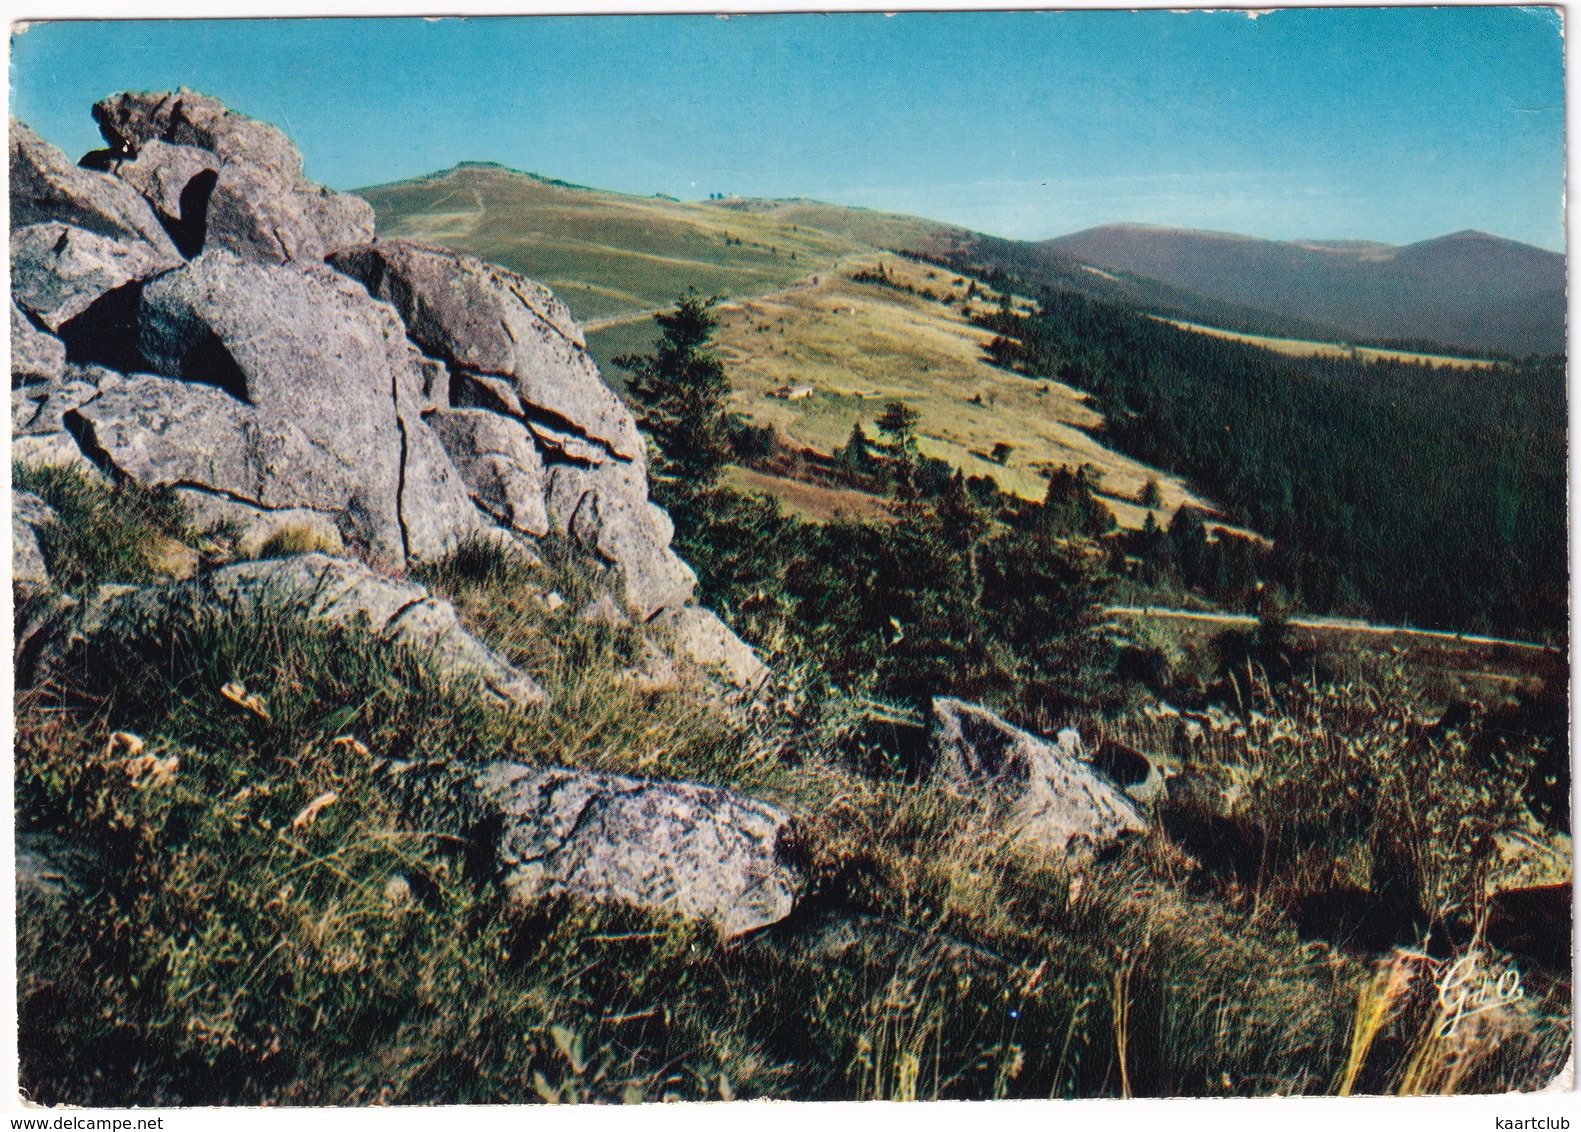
(1048, 797)
(36, 357)
(280, 388)
(247, 196)
(675, 847)
(58, 271)
(314, 587)
(174, 179)
(486, 320)
(46, 187)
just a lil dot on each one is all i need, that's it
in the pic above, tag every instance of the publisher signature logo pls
(1466, 989)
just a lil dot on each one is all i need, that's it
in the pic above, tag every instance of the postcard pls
(917, 556)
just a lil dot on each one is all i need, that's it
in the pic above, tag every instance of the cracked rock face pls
(176, 323)
(485, 320)
(46, 187)
(312, 586)
(1049, 798)
(674, 847)
(220, 179)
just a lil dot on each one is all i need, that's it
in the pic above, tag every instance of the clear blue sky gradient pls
(1387, 124)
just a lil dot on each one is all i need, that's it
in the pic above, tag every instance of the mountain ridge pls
(1467, 288)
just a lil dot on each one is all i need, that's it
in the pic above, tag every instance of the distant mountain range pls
(1467, 289)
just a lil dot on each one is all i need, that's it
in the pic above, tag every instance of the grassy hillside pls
(209, 942)
(798, 321)
(1306, 348)
(607, 255)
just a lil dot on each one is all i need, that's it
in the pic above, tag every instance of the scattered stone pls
(1049, 799)
(676, 847)
(703, 639)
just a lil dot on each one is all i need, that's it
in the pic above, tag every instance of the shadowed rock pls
(36, 357)
(283, 389)
(487, 320)
(247, 195)
(314, 587)
(666, 846)
(46, 187)
(58, 271)
(497, 460)
(1049, 798)
(607, 510)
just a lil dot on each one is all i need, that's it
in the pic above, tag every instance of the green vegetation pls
(680, 396)
(104, 533)
(1410, 494)
(604, 254)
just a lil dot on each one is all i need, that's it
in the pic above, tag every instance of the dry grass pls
(815, 503)
(859, 345)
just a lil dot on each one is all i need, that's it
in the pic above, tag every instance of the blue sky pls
(1389, 124)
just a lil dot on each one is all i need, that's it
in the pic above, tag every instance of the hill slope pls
(795, 316)
(1468, 288)
(605, 254)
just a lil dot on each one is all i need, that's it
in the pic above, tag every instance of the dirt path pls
(1336, 624)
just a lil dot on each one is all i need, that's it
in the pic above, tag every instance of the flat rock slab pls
(1050, 798)
(314, 587)
(696, 851)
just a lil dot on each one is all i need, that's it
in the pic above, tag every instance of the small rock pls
(1048, 798)
(675, 847)
(602, 610)
(703, 639)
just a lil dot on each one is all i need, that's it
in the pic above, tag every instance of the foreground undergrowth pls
(293, 903)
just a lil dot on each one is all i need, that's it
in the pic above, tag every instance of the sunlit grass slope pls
(606, 254)
(795, 316)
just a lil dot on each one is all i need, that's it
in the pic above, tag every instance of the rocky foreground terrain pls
(190, 313)
(406, 708)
